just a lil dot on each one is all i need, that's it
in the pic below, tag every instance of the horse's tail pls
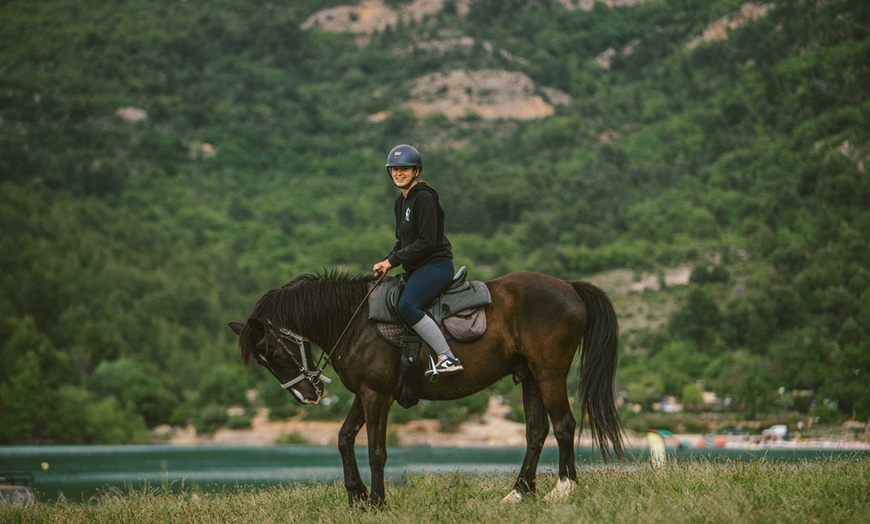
(598, 369)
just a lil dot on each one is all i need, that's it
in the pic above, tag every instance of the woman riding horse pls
(535, 325)
(423, 251)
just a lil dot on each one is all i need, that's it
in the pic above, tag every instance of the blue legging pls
(424, 284)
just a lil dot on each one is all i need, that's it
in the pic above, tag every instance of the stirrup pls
(432, 372)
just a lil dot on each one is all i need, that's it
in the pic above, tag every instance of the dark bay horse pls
(535, 326)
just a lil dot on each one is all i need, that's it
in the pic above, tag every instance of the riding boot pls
(409, 373)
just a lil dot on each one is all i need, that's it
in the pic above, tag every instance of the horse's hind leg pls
(555, 398)
(356, 489)
(537, 429)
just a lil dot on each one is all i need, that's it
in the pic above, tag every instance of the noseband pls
(286, 336)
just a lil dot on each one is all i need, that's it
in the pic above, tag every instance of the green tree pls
(645, 390)
(692, 397)
(30, 376)
(756, 389)
(82, 419)
(134, 387)
(109, 423)
(678, 364)
(226, 385)
(21, 412)
(698, 320)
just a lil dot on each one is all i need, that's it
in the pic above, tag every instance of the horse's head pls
(285, 354)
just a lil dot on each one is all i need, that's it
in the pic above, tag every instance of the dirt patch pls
(488, 94)
(372, 16)
(719, 30)
(636, 295)
(589, 5)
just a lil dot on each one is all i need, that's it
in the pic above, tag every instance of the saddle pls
(458, 311)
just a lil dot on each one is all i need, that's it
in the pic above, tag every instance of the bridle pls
(287, 336)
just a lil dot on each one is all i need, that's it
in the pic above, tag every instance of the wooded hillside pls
(163, 164)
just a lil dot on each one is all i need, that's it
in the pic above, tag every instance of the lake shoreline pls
(490, 430)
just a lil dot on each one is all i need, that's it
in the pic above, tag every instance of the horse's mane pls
(315, 305)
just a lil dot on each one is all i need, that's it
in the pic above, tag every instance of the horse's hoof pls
(358, 500)
(514, 497)
(366, 504)
(560, 493)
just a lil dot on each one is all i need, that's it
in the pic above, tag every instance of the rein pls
(325, 357)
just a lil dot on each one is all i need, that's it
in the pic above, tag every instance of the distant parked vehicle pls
(777, 432)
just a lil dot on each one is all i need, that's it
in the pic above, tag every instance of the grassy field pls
(826, 491)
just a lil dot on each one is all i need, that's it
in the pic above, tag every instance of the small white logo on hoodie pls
(408, 214)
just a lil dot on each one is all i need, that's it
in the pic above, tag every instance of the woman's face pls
(403, 175)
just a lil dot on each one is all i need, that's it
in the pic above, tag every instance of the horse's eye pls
(282, 358)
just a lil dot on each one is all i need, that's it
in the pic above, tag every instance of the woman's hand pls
(382, 267)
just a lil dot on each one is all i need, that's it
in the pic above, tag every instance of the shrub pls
(210, 419)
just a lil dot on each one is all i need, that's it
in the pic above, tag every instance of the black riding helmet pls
(404, 155)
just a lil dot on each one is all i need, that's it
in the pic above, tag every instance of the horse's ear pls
(256, 326)
(236, 327)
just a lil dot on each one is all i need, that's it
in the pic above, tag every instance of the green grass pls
(836, 490)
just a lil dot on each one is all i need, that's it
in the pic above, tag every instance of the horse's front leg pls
(356, 489)
(377, 409)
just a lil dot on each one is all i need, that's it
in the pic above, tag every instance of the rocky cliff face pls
(485, 94)
(718, 30)
(488, 94)
(371, 16)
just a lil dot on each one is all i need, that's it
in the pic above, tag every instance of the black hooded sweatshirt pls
(419, 229)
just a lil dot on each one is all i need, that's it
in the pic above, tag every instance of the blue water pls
(78, 473)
